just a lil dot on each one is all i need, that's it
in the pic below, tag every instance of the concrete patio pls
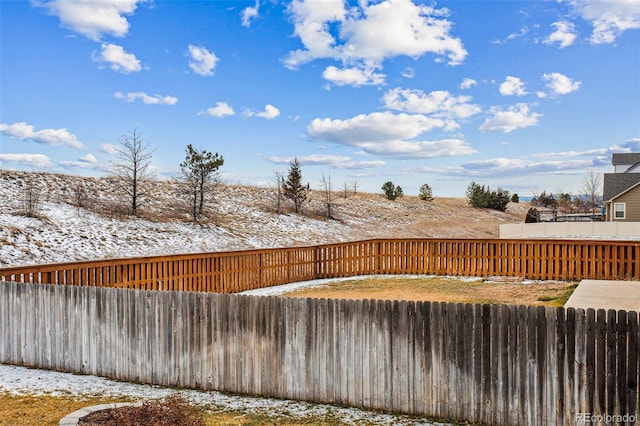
(604, 294)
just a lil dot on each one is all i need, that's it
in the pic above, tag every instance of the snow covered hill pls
(240, 217)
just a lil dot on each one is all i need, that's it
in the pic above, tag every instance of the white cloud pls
(367, 34)
(89, 158)
(147, 99)
(359, 165)
(564, 34)
(560, 84)
(409, 72)
(53, 137)
(202, 61)
(33, 160)
(312, 160)
(519, 167)
(352, 76)
(510, 119)
(108, 148)
(249, 14)
(609, 18)
(311, 21)
(87, 161)
(628, 146)
(418, 149)
(523, 31)
(222, 109)
(512, 86)
(93, 18)
(388, 135)
(439, 103)
(117, 58)
(547, 163)
(400, 27)
(376, 127)
(467, 83)
(335, 161)
(270, 112)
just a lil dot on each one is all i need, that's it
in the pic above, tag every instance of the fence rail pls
(231, 272)
(489, 364)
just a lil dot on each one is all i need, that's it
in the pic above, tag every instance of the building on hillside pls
(621, 189)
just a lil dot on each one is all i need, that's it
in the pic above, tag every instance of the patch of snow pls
(241, 218)
(24, 381)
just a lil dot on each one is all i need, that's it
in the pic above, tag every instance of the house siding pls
(632, 208)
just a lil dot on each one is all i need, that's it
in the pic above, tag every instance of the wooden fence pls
(230, 272)
(491, 364)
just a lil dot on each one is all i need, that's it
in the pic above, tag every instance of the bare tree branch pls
(278, 177)
(328, 201)
(592, 187)
(132, 168)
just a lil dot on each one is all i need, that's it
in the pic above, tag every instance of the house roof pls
(617, 183)
(625, 159)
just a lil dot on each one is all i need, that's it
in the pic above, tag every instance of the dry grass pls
(438, 289)
(39, 410)
(47, 410)
(368, 215)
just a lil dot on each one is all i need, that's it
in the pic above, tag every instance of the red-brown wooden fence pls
(231, 272)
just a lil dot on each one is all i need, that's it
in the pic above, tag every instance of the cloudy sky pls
(523, 95)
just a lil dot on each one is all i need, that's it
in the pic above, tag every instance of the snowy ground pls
(23, 381)
(240, 218)
(243, 218)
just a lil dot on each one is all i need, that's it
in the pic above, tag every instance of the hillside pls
(240, 217)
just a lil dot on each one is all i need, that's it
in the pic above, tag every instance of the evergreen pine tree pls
(477, 195)
(426, 194)
(199, 168)
(293, 187)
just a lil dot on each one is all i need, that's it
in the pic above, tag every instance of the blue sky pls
(523, 95)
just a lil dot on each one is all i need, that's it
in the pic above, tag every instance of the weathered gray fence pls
(493, 364)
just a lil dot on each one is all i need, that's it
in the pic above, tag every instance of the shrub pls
(426, 194)
(477, 195)
(391, 191)
(498, 199)
(31, 197)
(484, 197)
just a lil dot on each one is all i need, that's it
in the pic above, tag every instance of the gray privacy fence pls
(494, 364)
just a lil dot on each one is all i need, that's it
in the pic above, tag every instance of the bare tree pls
(345, 189)
(132, 168)
(80, 195)
(326, 187)
(592, 187)
(278, 177)
(31, 198)
(355, 184)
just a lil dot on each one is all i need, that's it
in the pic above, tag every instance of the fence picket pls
(230, 272)
(493, 364)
